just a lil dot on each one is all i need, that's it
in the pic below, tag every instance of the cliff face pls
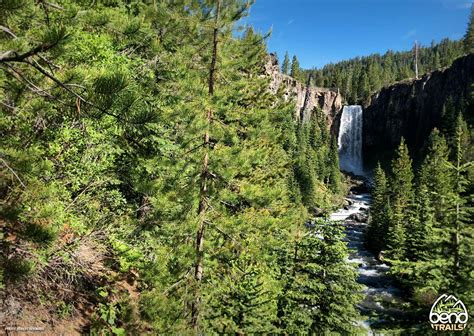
(306, 98)
(413, 108)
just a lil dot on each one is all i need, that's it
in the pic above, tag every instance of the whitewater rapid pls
(381, 296)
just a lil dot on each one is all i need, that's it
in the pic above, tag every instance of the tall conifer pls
(285, 68)
(402, 197)
(469, 36)
(377, 229)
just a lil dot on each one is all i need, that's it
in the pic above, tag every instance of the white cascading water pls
(350, 140)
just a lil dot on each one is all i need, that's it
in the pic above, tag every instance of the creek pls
(383, 302)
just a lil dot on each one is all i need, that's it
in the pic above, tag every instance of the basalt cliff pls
(306, 97)
(412, 108)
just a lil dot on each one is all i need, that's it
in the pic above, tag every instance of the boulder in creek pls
(347, 202)
(358, 217)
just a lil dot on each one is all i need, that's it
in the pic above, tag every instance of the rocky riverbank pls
(383, 304)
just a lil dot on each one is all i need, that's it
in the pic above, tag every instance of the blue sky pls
(324, 31)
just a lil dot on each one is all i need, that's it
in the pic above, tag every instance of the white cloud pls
(290, 22)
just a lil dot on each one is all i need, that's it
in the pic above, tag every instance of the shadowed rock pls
(412, 108)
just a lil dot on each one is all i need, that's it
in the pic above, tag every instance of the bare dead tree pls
(415, 52)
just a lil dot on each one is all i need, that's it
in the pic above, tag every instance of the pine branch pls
(35, 89)
(8, 31)
(13, 172)
(177, 283)
(62, 85)
(13, 56)
(53, 5)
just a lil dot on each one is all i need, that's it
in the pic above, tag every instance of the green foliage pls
(380, 213)
(469, 36)
(334, 175)
(320, 288)
(359, 77)
(64, 309)
(316, 168)
(428, 239)
(17, 268)
(250, 295)
(295, 69)
(402, 197)
(435, 185)
(285, 67)
(106, 318)
(102, 130)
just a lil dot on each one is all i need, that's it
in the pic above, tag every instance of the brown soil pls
(18, 317)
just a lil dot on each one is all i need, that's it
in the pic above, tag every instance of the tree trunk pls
(457, 227)
(203, 190)
(416, 59)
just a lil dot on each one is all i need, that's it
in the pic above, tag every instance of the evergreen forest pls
(151, 184)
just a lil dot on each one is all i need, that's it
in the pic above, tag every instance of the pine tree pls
(421, 241)
(321, 288)
(448, 122)
(434, 185)
(295, 68)
(205, 177)
(377, 229)
(436, 61)
(436, 176)
(364, 87)
(334, 172)
(402, 196)
(469, 36)
(285, 68)
(243, 301)
(459, 209)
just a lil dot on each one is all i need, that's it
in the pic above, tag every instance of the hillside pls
(150, 181)
(358, 78)
(159, 175)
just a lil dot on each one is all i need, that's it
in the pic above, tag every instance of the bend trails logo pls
(448, 313)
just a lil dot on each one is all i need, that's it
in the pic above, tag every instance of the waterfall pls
(350, 140)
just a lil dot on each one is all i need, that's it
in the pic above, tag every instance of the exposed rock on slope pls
(413, 108)
(330, 101)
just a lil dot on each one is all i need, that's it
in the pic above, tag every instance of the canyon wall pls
(413, 108)
(306, 97)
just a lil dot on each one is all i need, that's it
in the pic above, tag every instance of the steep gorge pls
(409, 109)
(306, 97)
(412, 108)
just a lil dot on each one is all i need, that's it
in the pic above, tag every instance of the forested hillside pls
(149, 181)
(358, 78)
(423, 205)
(422, 215)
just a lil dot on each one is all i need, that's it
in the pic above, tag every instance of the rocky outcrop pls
(413, 108)
(306, 97)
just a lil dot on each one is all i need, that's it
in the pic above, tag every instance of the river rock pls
(358, 217)
(347, 202)
(361, 188)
